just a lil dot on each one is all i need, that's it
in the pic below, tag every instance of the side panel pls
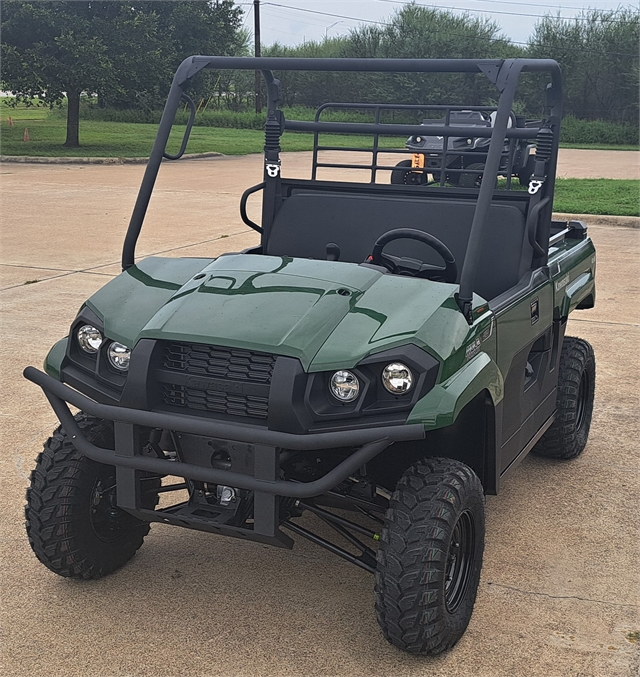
(573, 269)
(524, 332)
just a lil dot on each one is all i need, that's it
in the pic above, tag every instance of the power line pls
(338, 16)
(307, 21)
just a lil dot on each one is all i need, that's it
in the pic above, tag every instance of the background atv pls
(389, 350)
(464, 152)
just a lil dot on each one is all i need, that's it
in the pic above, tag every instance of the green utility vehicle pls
(385, 357)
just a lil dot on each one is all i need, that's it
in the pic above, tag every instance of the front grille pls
(210, 400)
(230, 363)
(215, 379)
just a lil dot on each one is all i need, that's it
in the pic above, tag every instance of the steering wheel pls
(402, 265)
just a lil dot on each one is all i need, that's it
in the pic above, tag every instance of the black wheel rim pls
(106, 518)
(414, 178)
(459, 561)
(583, 397)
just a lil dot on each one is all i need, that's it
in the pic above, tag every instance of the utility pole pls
(256, 34)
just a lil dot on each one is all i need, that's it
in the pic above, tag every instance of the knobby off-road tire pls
(568, 434)
(72, 521)
(430, 556)
(404, 176)
(470, 179)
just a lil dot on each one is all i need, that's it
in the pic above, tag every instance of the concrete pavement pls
(559, 590)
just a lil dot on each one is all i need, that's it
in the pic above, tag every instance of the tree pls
(413, 31)
(118, 50)
(598, 54)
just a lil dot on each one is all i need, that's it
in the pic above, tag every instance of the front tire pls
(567, 437)
(73, 523)
(472, 178)
(430, 556)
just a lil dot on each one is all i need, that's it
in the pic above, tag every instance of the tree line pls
(125, 53)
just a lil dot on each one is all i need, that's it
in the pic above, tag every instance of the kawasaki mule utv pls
(464, 152)
(385, 357)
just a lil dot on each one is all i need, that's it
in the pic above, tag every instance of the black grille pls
(215, 379)
(231, 363)
(210, 400)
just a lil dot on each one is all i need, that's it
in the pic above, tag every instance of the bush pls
(574, 130)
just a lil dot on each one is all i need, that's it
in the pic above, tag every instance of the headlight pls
(345, 386)
(89, 339)
(119, 356)
(397, 378)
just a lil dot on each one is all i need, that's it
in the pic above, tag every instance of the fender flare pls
(442, 404)
(55, 357)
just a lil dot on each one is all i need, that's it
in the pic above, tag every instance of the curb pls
(601, 219)
(36, 160)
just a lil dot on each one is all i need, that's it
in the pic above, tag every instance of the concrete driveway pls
(559, 589)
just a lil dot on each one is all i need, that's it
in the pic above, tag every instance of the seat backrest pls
(308, 220)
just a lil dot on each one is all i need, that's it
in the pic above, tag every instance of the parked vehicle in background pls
(467, 153)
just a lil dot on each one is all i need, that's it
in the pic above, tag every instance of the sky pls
(291, 22)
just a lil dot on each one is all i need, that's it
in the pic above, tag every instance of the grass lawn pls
(123, 139)
(615, 197)
(120, 139)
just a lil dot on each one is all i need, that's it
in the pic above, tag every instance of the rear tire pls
(73, 523)
(404, 176)
(568, 435)
(430, 556)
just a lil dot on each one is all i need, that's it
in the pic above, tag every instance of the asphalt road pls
(559, 588)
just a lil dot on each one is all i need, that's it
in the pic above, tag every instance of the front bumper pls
(266, 443)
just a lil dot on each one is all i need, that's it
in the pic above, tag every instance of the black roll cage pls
(503, 73)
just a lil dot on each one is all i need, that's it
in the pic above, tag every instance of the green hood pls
(327, 314)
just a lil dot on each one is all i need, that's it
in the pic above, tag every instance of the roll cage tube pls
(503, 74)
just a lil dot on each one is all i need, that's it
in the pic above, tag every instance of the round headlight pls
(119, 356)
(89, 339)
(345, 386)
(397, 378)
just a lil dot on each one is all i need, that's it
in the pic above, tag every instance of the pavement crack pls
(545, 594)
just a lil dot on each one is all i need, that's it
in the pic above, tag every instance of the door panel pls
(525, 343)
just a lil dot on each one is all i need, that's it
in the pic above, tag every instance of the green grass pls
(615, 197)
(125, 139)
(121, 139)
(607, 197)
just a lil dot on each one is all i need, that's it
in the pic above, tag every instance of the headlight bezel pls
(374, 402)
(79, 366)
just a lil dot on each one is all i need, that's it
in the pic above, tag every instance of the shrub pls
(574, 130)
